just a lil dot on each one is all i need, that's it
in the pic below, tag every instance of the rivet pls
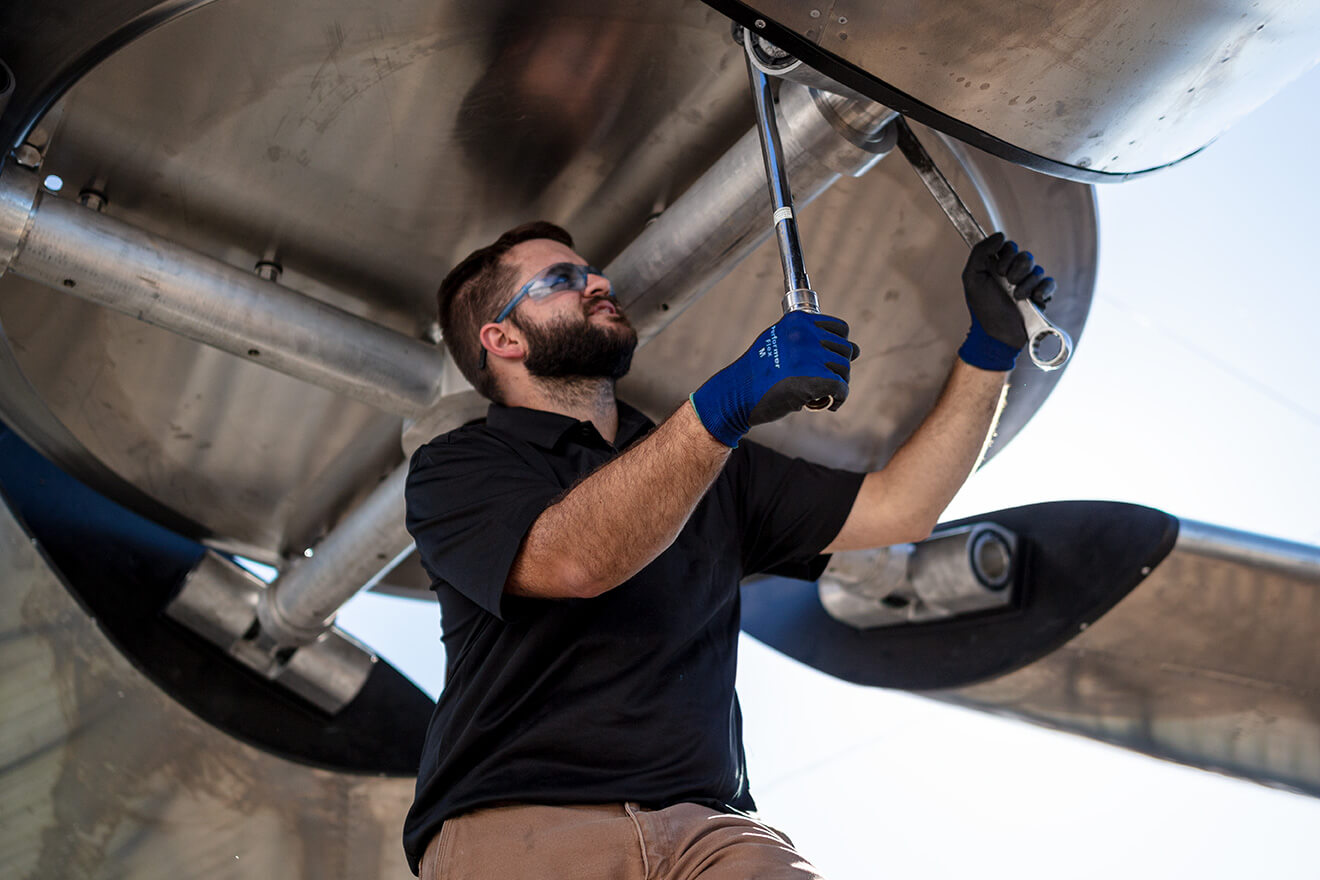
(760, 22)
(843, 19)
(815, 13)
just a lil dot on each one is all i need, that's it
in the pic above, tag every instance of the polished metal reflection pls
(722, 217)
(104, 775)
(220, 602)
(1211, 661)
(1258, 551)
(886, 260)
(1101, 86)
(365, 546)
(366, 154)
(953, 572)
(370, 154)
(98, 258)
(19, 191)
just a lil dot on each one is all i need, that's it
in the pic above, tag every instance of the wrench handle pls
(1038, 327)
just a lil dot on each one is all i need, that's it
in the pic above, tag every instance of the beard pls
(569, 349)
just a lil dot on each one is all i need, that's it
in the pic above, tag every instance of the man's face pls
(569, 334)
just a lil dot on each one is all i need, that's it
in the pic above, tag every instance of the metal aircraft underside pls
(217, 338)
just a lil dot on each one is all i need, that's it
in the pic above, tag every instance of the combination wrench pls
(1039, 328)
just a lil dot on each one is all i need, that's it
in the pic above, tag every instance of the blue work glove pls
(997, 333)
(801, 358)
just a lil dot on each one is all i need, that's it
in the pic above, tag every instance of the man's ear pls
(502, 341)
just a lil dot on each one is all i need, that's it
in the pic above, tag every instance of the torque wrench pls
(798, 295)
(1039, 328)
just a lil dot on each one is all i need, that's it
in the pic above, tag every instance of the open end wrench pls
(1039, 328)
(798, 295)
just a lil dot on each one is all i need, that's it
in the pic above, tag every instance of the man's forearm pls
(618, 519)
(903, 502)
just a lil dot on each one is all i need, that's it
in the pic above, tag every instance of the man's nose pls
(598, 287)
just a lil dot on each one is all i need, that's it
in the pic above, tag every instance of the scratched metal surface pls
(1112, 87)
(375, 146)
(107, 776)
(1210, 662)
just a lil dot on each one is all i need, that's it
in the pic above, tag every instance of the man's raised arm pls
(626, 513)
(902, 502)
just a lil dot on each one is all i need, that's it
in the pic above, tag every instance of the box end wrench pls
(1039, 328)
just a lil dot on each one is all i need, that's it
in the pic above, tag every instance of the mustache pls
(591, 305)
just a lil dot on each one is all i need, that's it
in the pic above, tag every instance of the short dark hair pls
(473, 293)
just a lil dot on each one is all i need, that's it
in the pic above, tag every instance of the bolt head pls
(28, 156)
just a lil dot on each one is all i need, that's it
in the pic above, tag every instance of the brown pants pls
(610, 842)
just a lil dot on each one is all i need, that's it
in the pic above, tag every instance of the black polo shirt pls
(624, 697)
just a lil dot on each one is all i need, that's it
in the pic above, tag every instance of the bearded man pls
(587, 565)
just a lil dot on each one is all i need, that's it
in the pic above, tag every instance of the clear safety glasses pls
(549, 281)
(554, 279)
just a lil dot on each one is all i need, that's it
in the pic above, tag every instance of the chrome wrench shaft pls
(798, 295)
(1039, 328)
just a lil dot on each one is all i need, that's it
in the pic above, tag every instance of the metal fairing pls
(1090, 91)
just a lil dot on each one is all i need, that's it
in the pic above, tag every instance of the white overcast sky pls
(1196, 389)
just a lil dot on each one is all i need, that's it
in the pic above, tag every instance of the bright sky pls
(1195, 388)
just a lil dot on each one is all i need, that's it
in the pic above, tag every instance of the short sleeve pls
(470, 502)
(791, 510)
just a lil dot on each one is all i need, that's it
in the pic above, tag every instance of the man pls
(587, 565)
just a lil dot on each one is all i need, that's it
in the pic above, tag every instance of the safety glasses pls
(554, 279)
(549, 281)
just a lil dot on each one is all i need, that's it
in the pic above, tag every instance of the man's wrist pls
(983, 351)
(721, 428)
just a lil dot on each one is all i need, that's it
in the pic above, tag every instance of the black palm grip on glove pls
(997, 315)
(791, 394)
